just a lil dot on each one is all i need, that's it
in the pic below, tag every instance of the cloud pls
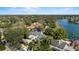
(32, 9)
(67, 9)
(25, 10)
(19, 10)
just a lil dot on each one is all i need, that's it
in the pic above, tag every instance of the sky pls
(38, 10)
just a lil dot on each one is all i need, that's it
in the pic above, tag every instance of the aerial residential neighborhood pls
(37, 33)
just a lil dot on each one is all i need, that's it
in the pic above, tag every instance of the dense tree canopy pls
(14, 36)
(60, 33)
(48, 31)
(2, 47)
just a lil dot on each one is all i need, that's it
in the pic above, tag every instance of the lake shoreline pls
(69, 27)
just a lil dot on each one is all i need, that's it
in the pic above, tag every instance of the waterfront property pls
(38, 33)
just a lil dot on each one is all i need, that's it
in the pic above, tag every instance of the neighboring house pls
(68, 48)
(60, 45)
(23, 47)
(75, 44)
(35, 25)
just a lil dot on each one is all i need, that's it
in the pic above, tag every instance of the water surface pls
(69, 27)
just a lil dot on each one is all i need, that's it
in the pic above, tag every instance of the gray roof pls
(58, 43)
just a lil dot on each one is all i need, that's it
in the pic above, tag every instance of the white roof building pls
(35, 35)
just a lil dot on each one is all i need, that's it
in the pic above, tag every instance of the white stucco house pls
(35, 35)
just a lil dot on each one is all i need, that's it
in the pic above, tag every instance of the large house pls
(35, 35)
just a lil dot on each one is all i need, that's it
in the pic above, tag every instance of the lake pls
(69, 27)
